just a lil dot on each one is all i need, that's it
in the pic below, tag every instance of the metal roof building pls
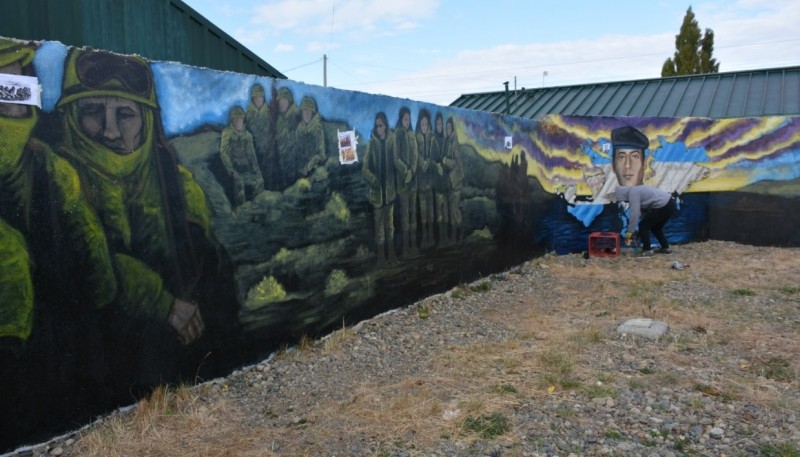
(774, 91)
(166, 30)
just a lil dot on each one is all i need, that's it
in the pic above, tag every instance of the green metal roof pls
(166, 30)
(766, 92)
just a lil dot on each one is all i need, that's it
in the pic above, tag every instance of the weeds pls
(566, 411)
(776, 368)
(780, 450)
(464, 291)
(789, 290)
(482, 286)
(335, 340)
(505, 389)
(487, 426)
(589, 335)
(600, 390)
(460, 292)
(712, 391)
(306, 343)
(743, 292)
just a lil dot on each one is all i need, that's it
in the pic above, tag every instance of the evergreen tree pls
(693, 51)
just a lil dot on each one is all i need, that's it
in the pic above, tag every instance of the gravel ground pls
(533, 356)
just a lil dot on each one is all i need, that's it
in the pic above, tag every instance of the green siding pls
(167, 30)
(746, 93)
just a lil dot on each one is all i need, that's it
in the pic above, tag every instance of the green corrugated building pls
(167, 30)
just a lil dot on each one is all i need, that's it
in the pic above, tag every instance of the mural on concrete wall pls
(161, 222)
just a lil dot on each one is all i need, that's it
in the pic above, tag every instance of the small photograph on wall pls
(19, 89)
(347, 147)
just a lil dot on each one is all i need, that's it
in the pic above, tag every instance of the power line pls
(303, 65)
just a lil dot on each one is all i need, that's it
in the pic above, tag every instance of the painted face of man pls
(439, 125)
(307, 113)
(380, 128)
(283, 105)
(424, 125)
(406, 120)
(629, 166)
(13, 109)
(448, 129)
(238, 123)
(114, 122)
(258, 101)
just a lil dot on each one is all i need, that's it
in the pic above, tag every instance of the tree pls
(693, 52)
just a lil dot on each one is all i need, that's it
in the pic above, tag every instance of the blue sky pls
(436, 50)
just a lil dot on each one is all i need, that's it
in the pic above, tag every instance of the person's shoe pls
(663, 251)
(645, 254)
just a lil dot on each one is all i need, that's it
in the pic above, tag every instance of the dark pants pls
(654, 221)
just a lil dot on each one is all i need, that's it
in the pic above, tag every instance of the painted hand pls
(185, 318)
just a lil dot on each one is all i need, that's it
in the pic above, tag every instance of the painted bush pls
(163, 223)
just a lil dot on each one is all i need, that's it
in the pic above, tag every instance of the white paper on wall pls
(20, 89)
(347, 147)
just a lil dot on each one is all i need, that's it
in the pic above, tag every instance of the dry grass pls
(563, 340)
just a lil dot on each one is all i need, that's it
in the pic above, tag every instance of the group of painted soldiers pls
(256, 159)
(423, 173)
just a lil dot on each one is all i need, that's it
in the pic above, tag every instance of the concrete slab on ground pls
(647, 328)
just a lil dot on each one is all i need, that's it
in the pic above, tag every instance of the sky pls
(436, 50)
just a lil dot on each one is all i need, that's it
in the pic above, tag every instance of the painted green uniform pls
(49, 232)
(156, 221)
(309, 141)
(239, 158)
(406, 161)
(257, 121)
(454, 170)
(428, 149)
(56, 274)
(285, 125)
(380, 174)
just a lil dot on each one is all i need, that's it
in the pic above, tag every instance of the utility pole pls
(324, 70)
(508, 110)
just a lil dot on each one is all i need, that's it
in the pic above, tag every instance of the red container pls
(604, 244)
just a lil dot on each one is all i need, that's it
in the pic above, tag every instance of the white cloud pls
(283, 47)
(751, 34)
(347, 16)
(320, 47)
(747, 35)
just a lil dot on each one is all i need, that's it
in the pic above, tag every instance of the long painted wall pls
(166, 223)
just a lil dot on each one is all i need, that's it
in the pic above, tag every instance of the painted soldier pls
(428, 149)
(441, 182)
(285, 125)
(257, 122)
(171, 272)
(56, 273)
(309, 138)
(380, 173)
(454, 170)
(239, 158)
(406, 160)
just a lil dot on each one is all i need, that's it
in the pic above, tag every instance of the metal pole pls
(507, 107)
(324, 70)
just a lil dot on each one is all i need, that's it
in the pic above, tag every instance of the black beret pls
(629, 137)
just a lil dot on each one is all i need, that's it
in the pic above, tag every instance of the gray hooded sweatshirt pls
(641, 198)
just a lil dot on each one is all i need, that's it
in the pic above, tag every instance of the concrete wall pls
(158, 226)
